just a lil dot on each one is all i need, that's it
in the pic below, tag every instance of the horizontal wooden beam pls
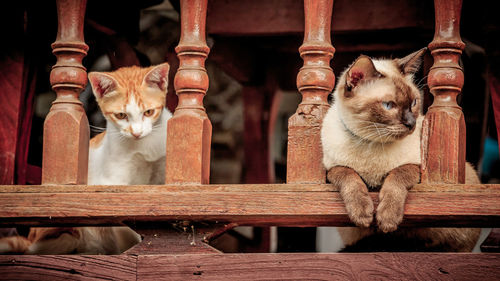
(69, 267)
(493, 188)
(472, 205)
(267, 17)
(362, 266)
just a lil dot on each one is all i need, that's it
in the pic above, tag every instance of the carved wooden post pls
(189, 130)
(66, 128)
(315, 82)
(443, 135)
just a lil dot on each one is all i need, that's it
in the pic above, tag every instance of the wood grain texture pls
(267, 17)
(259, 121)
(11, 97)
(31, 267)
(189, 131)
(315, 82)
(365, 266)
(178, 238)
(443, 132)
(66, 129)
(246, 208)
(441, 188)
(370, 266)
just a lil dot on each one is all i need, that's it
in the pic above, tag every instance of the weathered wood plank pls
(31, 267)
(369, 266)
(229, 188)
(364, 266)
(180, 238)
(246, 208)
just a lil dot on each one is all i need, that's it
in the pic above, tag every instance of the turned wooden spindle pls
(66, 129)
(315, 82)
(189, 130)
(443, 135)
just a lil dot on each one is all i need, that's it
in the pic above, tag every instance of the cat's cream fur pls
(372, 157)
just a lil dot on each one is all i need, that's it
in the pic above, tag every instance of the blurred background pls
(252, 66)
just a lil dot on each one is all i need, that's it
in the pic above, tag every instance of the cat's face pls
(132, 98)
(378, 99)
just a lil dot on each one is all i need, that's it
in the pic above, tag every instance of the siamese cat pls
(371, 141)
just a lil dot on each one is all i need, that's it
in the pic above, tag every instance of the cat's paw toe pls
(387, 227)
(361, 211)
(388, 218)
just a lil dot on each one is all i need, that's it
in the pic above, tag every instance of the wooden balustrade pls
(189, 130)
(304, 201)
(66, 130)
(443, 135)
(315, 82)
(245, 204)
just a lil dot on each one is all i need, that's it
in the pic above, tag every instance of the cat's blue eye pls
(414, 102)
(388, 105)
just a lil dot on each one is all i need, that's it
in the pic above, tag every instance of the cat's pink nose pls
(136, 134)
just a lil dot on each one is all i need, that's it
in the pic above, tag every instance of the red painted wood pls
(189, 130)
(443, 133)
(363, 266)
(315, 82)
(259, 129)
(11, 97)
(66, 130)
(367, 266)
(70, 267)
(62, 205)
(179, 238)
(269, 17)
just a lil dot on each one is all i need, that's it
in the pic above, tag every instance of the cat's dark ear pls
(102, 84)
(411, 63)
(158, 77)
(361, 71)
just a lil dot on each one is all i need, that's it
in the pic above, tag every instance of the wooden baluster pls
(315, 82)
(66, 129)
(189, 130)
(443, 135)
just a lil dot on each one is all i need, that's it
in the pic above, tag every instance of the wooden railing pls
(204, 212)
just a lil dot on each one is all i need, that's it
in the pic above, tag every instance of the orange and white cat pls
(131, 151)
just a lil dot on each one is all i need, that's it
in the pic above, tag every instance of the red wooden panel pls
(366, 266)
(282, 208)
(258, 17)
(369, 266)
(30, 267)
(11, 96)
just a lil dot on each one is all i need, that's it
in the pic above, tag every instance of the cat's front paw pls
(360, 210)
(389, 214)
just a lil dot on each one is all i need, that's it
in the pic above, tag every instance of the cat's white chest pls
(372, 161)
(119, 161)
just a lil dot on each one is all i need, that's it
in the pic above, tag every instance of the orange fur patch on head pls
(131, 85)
